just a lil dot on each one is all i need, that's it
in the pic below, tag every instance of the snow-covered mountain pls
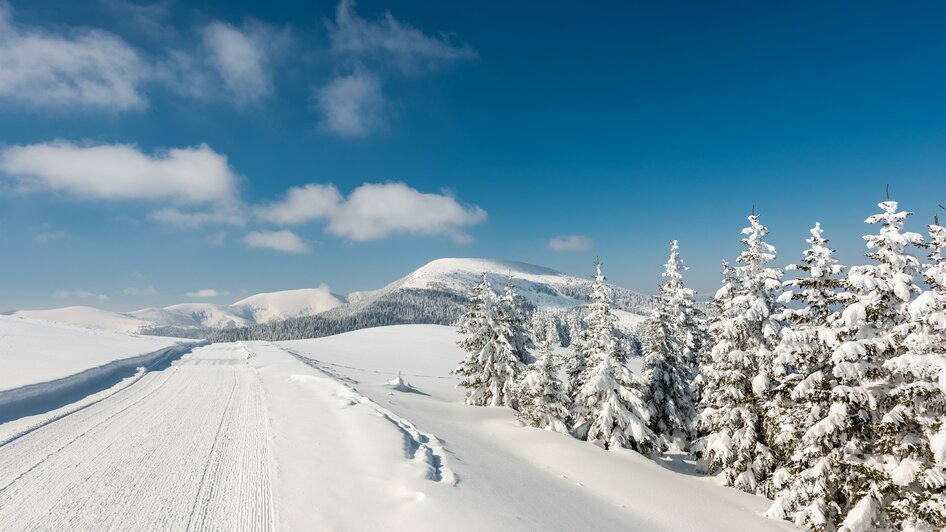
(193, 315)
(196, 319)
(542, 287)
(435, 294)
(263, 308)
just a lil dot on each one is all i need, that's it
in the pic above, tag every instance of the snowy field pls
(33, 351)
(308, 435)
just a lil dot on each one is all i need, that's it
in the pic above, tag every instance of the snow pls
(192, 315)
(186, 447)
(33, 351)
(311, 435)
(262, 308)
(86, 317)
(526, 478)
(540, 286)
(259, 308)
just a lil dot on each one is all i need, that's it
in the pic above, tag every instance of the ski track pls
(183, 448)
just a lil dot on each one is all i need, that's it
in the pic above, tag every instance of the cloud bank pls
(90, 69)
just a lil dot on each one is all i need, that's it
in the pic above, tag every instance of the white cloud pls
(391, 41)
(79, 294)
(80, 68)
(206, 293)
(351, 105)
(302, 204)
(181, 176)
(86, 68)
(140, 292)
(571, 243)
(374, 211)
(241, 57)
(284, 240)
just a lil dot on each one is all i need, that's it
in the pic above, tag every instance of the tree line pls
(825, 392)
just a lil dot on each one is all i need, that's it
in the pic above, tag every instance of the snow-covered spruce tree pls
(872, 329)
(552, 337)
(513, 315)
(917, 416)
(537, 326)
(542, 400)
(806, 483)
(607, 406)
(671, 334)
(705, 363)
(739, 390)
(495, 349)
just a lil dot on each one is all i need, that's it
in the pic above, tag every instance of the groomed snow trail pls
(183, 448)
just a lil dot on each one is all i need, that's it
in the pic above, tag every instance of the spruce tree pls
(542, 400)
(916, 431)
(739, 381)
(806, 483)
(607, 407)
(671, 336)
(872, 329)
(514, 317)
(494, 349)
(552, 337)
(705, 364)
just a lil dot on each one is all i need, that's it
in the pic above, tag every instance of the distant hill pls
(436, 292)
(196, 320)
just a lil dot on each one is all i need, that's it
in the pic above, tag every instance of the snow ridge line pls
(144, 363)
(421, 447)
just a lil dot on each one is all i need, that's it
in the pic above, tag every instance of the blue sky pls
(148, 151)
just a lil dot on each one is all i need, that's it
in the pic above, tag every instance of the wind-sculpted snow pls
(182, 448)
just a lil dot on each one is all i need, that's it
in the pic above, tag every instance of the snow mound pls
(399, 384)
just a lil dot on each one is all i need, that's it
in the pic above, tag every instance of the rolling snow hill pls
(435, 294)
(87, 317)
(541, 287)
(263, 308)
(195, 319)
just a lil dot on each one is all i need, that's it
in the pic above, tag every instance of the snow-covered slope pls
(34, 351)
(540, 286)
(507, 477)
(196, 317)
(262, 308)
(310, 435)
(87, 317)
(192, 315)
